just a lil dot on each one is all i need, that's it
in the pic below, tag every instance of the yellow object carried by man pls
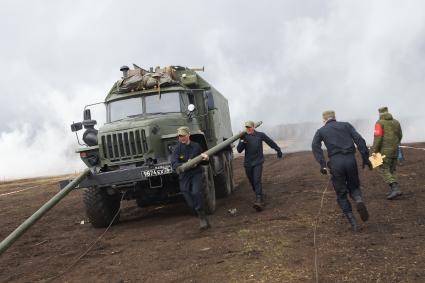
(376, 160)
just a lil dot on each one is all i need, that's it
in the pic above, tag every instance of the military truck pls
(130, 155)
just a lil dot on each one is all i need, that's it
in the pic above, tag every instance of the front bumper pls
(117, 177)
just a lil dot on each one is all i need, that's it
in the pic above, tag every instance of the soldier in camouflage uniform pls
(387, 137)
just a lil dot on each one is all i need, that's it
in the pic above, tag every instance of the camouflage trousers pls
(387, 170)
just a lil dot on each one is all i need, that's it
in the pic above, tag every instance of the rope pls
(18, 191)
(89, 248)
(405, 146)
(316, 224)
(24, 189)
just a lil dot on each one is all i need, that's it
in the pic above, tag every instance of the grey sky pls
(276, 61)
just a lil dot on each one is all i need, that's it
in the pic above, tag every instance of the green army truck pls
(130, 155)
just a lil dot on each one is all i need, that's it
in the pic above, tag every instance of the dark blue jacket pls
(182, 153)
(253, 146)
(339, 138)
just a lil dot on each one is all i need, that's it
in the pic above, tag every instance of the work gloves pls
(366, 162)
(279, 154)
(324, 171)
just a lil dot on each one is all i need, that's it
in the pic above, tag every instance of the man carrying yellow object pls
(387, 137)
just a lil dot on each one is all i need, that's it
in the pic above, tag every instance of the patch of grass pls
(267, 257)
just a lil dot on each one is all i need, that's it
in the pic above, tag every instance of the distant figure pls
(190, 181)
(387, 138)
(339, 139)
(400, 156)
(252, 143)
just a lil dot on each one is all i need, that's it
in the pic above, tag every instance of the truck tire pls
(208, 189)
(101, 207)
(229, 157)
(223, 183)
(141, 202)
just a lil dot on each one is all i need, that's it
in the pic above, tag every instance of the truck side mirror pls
(76, 126)
(87, 114)
(210, 100)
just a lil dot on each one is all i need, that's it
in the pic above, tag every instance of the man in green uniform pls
(387, 137)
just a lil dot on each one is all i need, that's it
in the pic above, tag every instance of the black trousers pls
(190, 186)
(345, 179)
(254, 174)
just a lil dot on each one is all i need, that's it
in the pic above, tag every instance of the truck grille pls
(124, 145)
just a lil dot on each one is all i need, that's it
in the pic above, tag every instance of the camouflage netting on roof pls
(140, 79)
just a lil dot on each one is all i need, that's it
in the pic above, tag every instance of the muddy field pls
(163, 244)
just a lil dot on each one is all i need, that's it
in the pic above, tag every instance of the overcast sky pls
(276, 61)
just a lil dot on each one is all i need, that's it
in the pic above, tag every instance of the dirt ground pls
(163, 244)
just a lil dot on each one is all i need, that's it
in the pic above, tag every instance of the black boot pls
(259, 204)
(395, 191)
(352, 221)
(362, 210)
(204, 224)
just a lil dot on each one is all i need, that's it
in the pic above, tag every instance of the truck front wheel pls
(208, 189)
(101, 208)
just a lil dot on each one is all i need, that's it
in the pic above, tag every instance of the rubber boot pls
(362, 210)
(352, 221)
(258, 204)
(395, 191)
(204, 224)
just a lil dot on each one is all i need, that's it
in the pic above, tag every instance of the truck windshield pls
(169, 102)
(121, 109)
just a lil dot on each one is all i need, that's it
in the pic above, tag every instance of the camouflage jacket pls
(387, 135)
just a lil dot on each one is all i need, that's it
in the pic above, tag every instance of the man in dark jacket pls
(387, 138)
(190, 181)
(339, 139)
(252, 143)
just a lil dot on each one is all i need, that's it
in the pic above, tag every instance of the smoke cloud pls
(279, 62)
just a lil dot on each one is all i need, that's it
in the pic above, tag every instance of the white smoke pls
(282, 62)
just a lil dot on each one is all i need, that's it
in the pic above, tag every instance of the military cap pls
(249, 124)
(183, 131)
(328, 114)
(383, 109)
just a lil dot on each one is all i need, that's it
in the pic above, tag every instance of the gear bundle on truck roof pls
(129, 156)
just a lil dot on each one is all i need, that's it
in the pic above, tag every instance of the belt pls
(343, 152)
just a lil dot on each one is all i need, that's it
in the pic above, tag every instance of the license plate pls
(157, 171)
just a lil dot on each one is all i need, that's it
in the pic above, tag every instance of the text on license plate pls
(157, 171)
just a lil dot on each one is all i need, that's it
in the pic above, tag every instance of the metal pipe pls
(9, 240)
(193, 162)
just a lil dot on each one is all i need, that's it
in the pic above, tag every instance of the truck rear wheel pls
(223, 182)
(208, 189)
(229, 157)
(101, 207)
